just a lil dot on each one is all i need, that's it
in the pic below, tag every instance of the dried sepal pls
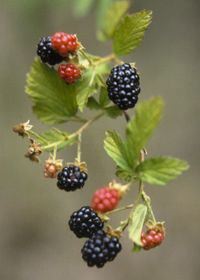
(122, 189)
(34, 151)
(22, 128)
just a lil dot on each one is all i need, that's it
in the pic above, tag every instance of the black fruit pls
(46, 52)
(85, 222)
(123, 86)
(100, 248)
(71, 178)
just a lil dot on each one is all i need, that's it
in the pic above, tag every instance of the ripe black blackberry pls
(85, 222)
(46, 52)
(71, 178)
(100, 248)
(123, 86)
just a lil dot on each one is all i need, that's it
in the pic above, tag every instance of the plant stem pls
(126, 115)
(147, 201)
(130, 206)
(88, 123)
(107, 58)
(79, 148)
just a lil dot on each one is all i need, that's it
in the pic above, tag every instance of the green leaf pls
(137, 248)
(55, 137)
(125, 175)
(102, 7)
(113, 111)
(137, 220)
(130, 32)
(103, 97)
(92, 104)
(54, 101)
(90, 83)
(82, 7)
(116, 150)
(112, 17)
(161, 170)
(141, 126)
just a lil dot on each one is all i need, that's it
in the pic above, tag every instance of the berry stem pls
(126, 115)
(88, 123)
(147, 201)
(79, 148)
(130, 206)
(54, 152)
(107, 58)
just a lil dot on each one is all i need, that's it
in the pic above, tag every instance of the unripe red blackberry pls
(85, 222)
(105, 199)
(100, 248)
(152, 238)
(123, 86)
(71, 178)
(65, 43)
(69, 72)
(47, 53)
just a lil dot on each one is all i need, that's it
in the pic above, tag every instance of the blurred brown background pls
(35, 242)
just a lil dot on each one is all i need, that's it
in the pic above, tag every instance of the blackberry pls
(47, 53)
(100, 248)
(85, 222)
(71, 178)
(123, 86)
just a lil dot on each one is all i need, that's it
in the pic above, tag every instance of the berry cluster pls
(152, 238)
(105, 199)
(123, 86)
(85, 222)
(100, 247)
(71, 178)
(54, 49)
(69, 72)
(64, 43)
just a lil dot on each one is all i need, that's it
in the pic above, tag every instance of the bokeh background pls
(35, 242)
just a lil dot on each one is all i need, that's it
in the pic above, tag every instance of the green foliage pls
(111, 111)
(54, 102)
(139, 129)
(116, 149)
(161, 170)
(130, 32)
(90, 83)
(55, 137)
(141, 126)
(112, 17)
(137, 220)
(82, 7)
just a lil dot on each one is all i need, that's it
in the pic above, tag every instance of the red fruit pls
(64, 43)
(105, 199)
(69, 72)
(152, 238)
